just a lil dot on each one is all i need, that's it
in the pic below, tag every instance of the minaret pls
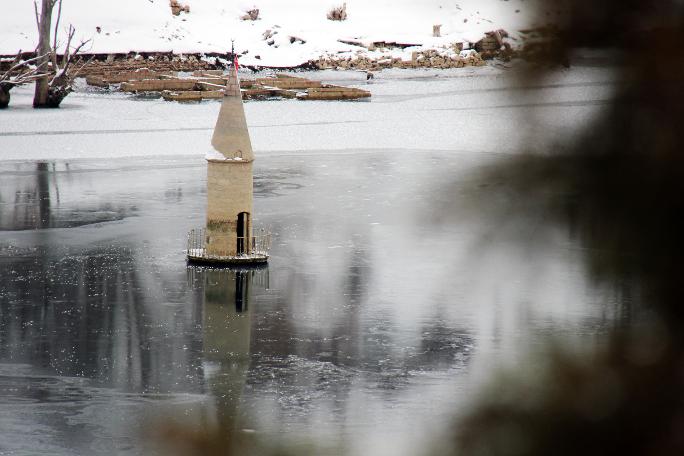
(229, 178)
(228, 237)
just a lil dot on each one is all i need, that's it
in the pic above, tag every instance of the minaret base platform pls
(247, 253)
(200, 256)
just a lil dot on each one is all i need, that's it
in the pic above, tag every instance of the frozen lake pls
(389, 298)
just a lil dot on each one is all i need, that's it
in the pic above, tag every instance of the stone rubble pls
(208, 84)
(419, 59)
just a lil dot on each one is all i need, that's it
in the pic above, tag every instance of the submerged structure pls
(229, 236)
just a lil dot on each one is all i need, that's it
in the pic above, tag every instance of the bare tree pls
(53, 87)
(20, 72)
(43, 21)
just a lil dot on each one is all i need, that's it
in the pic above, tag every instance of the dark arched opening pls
(243, 233)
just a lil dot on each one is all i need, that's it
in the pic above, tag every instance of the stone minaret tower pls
(229, 178)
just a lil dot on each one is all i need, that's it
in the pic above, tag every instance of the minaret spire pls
(231, 137)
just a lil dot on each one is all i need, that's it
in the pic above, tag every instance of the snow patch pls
(148, 26)
(217, 156)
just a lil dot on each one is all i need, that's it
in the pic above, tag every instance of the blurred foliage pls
(224, 439)
(620, 188)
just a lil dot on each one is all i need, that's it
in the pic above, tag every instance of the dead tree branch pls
(59, 16)
(24, 65)
(78, 71)
(20, 72)
(35, 8)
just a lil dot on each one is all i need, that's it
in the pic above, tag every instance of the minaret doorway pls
(243, 233)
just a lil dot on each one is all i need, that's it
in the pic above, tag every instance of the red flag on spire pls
(235, 62)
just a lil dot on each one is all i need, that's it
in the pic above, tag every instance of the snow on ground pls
(148, 25)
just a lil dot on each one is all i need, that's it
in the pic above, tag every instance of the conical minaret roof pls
(231, 137)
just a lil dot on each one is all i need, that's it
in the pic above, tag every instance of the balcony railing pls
(257, 246)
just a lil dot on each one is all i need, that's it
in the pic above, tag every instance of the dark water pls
(382, 309)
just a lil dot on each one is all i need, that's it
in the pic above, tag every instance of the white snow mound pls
(148, 25)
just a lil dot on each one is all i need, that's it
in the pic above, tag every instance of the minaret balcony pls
(244, 250)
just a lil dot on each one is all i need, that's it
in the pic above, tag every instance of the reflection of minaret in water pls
(226, 335)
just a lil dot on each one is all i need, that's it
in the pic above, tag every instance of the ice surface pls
(417, 110)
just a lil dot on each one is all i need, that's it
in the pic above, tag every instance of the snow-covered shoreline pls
(287, 34)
